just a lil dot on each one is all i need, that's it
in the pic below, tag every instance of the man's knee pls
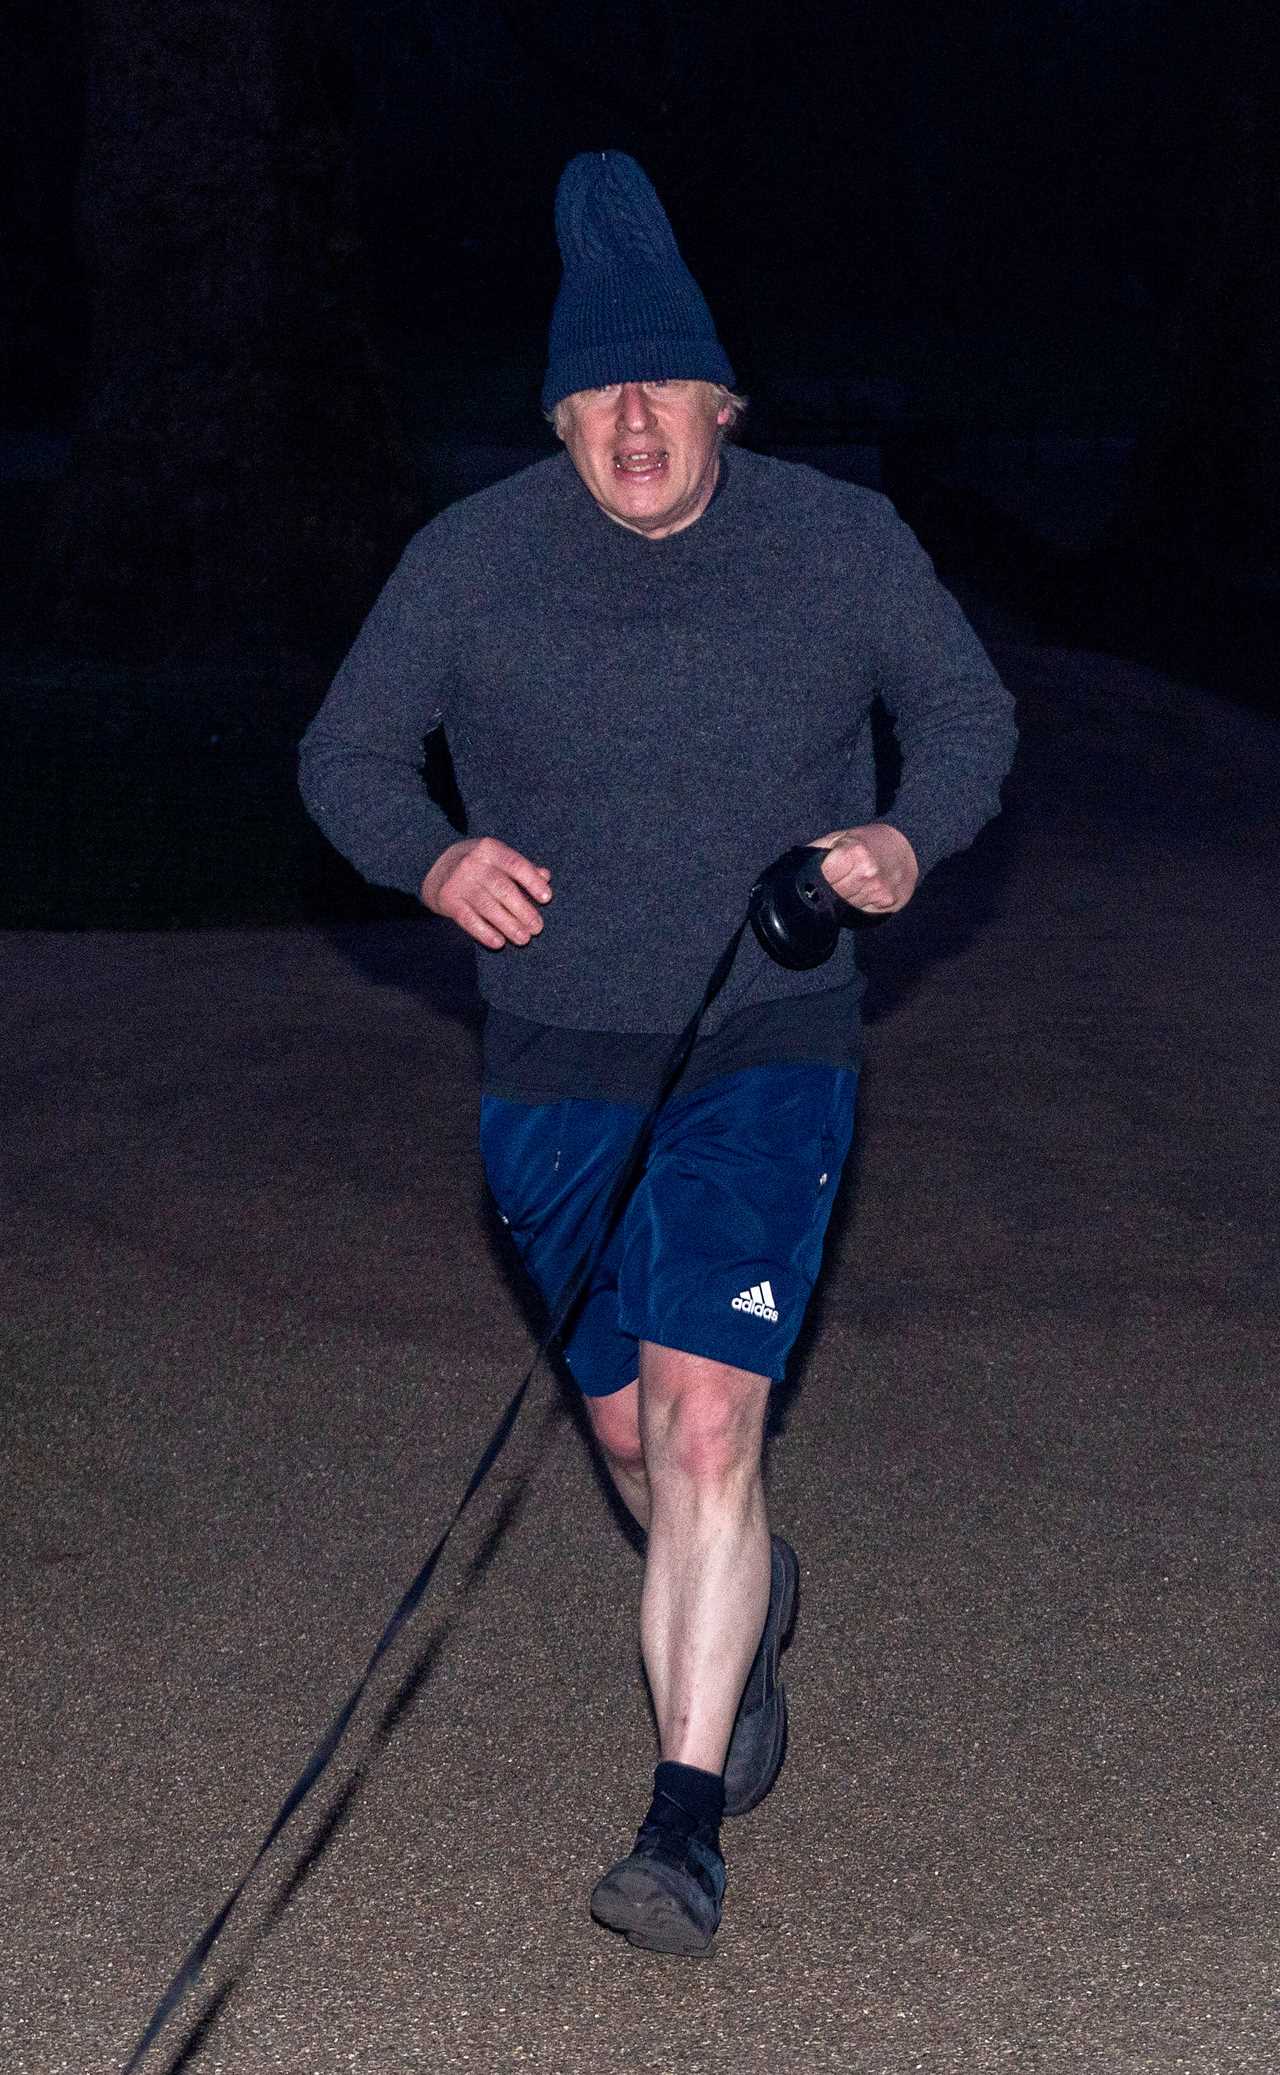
(615, 1422)
(703, 1419)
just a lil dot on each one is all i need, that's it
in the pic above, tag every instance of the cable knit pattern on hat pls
(606, 206)
(628, 308)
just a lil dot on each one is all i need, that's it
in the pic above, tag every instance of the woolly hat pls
(628, 309)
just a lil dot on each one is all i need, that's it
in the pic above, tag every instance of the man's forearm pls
(955, 755)
(373, 808)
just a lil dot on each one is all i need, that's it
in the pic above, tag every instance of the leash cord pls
(574, 1290)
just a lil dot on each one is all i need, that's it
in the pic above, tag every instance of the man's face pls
(649, 452)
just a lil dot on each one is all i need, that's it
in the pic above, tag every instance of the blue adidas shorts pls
(718, 1249)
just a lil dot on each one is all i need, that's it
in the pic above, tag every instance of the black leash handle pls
(574, 1289)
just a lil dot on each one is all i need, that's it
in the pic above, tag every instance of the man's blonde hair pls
(725, 398)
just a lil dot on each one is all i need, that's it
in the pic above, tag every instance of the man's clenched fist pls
(489, 890)
(873, 868)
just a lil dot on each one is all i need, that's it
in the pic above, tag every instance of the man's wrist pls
(432, 876)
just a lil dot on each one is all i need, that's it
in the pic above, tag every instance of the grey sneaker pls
(759, 1741)
(666, 1895)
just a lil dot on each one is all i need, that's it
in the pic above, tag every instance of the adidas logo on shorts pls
(758, 1300)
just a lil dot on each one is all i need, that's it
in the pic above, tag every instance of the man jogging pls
(654, 662)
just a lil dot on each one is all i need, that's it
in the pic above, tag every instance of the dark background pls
(276, 284)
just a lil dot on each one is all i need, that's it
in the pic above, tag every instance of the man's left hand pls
(873, 868)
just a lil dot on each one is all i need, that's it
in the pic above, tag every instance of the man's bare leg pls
(615, 1421)
(706, 1588)
(684, 1451)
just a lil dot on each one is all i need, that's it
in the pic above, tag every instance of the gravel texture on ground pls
(257, 1324)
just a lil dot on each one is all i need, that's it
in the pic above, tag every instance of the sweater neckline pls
(624, 543)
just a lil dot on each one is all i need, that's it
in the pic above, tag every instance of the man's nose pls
(634, 409)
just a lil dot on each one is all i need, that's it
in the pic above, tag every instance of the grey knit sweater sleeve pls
(360, 766)
(952, 715)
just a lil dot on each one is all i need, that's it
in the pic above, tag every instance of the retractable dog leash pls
(796, 917)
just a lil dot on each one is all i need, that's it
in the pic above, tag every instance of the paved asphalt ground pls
(256, 1328)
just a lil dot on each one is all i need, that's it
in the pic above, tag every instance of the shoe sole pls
(768, 1778)
(778, 1750)
(643, 1913)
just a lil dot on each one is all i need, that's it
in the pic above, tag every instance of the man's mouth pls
(640, 461)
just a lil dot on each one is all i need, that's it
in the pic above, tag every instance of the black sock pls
(685, 1800)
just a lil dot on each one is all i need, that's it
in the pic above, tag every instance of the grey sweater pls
(655, 721)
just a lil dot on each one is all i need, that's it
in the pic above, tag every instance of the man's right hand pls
(489, 890)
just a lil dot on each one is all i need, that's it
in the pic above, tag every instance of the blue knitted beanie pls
(628, 309)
